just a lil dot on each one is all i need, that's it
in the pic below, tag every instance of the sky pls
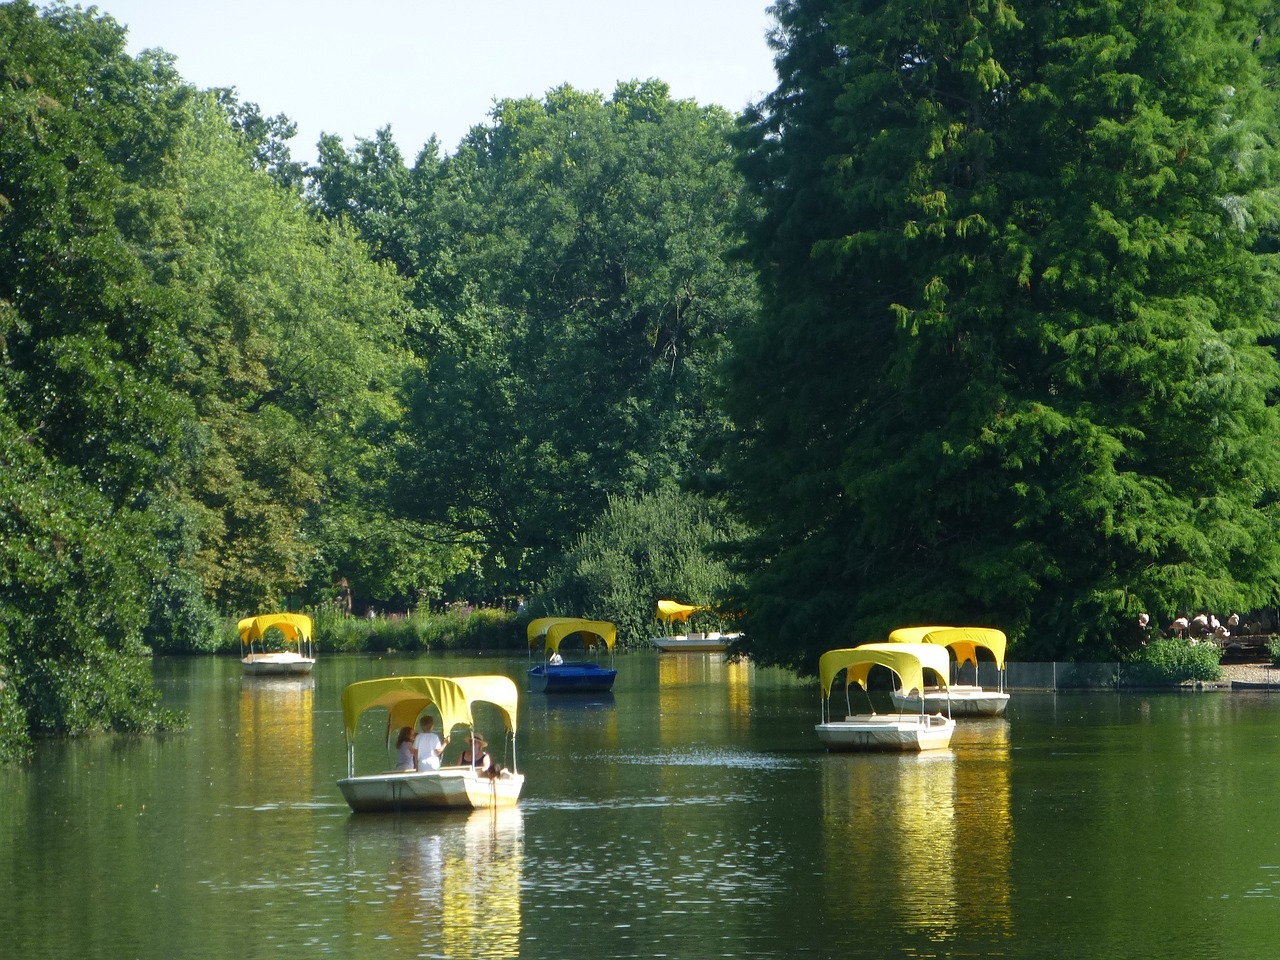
(436, 66)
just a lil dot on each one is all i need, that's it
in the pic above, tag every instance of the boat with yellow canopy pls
(670, 613)
(874, 731)
(557, 675)
(966, 699)
(459, 786)
(298, 655)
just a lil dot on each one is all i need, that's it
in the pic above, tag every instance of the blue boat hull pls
(572, 677)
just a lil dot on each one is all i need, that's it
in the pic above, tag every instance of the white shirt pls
(428, 746)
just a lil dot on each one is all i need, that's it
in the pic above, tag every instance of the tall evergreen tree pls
(1011, 365)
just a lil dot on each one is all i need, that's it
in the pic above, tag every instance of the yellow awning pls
(912, 634)
(556, 629)
(405, 698)
(965, 640)
(669, 610)
(537, 629)
(907, 660)
(294, 626)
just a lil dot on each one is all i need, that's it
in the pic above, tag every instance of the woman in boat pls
(474, 754)
(404, 750)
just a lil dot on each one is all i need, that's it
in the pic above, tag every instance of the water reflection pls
(928, 837)
(450, 884)
(276, 738)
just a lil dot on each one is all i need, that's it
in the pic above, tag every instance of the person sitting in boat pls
(556, 659)
(404, 751)
(427, 745)
(474, 754)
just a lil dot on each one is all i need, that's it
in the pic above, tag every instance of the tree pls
(89, 427)
(295, 355)
(638, 551)
(576, 251)
(1010, 366)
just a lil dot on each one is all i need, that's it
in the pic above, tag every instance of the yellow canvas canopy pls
(669, 610)
(912, 634)
(964, 641)
(404, 699)
(296, 627)
(556, 629)
(537, 629)
(907, 660)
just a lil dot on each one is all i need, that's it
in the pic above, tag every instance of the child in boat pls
(404, 750)
(427, 745)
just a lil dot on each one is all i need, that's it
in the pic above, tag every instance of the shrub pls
(637, 551)
(461, 628)
(1170, 661)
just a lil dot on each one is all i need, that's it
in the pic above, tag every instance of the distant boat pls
(670, 612)
(298, 655)
(557, 675)
(873, 731)
(460, 786)
(964, 699)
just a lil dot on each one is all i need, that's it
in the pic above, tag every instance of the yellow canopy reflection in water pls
(442, 886)
(889, 832)
(276, 736)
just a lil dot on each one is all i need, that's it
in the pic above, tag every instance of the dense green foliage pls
(1169, 661)
(1001, 349)
(570, 260)
(88, 427)
(1013, 365)
(639, 550)
(229, 384)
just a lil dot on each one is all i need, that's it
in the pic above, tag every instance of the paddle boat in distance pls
(456, 786)
(874, 731)
(965, 699)
(298, 655)
(557, 675)
(671, 612)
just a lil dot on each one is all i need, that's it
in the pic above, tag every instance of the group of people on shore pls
(424, 751)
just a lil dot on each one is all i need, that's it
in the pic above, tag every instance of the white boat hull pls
(966, 701)
(449, 788)
(694, 643)
(277, 664)
(902, 732)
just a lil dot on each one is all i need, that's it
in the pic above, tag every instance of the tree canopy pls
(1013, 363)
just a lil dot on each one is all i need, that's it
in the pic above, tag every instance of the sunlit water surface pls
(690, 814)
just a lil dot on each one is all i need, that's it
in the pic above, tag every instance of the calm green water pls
(689, 815)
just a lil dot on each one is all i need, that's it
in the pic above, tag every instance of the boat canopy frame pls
(555, 630)
(964, 642)
(406, 698)
(907, 661)
(296, 628)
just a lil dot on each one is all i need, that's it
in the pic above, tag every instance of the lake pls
(690, 814)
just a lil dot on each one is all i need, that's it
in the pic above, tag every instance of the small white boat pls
(463, 787)
(671, 612)
(966, 700)
(872, 731)
(295, 659)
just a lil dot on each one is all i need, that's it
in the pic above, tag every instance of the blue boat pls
(557, 675)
